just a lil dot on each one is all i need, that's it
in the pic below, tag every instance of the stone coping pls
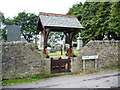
(14, 42)
(106, 41)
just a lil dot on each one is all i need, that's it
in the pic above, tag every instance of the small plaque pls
(89, 57)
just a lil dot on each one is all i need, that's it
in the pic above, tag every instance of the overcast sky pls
(11, 8)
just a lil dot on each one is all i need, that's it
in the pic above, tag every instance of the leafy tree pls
(88, 19)
(54, 37)
(101, 23)
(100, 19)
(114, 21)
(3, 36)
(76, 10)
(27, 22)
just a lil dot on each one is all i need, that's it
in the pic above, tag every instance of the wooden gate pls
(60, 65)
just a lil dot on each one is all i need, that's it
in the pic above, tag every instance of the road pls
(72, 81)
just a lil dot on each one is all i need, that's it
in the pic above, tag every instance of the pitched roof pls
(59, 20)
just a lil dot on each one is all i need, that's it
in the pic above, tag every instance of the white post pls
(96, 64)
(79, 42)
(84, 66)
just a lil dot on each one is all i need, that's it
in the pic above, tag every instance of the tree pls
(3, 36)
(27, 22)
(76, 10)
(55, 38)
(100, 19)
(114, 21)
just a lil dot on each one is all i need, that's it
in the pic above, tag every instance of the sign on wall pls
(89, 57)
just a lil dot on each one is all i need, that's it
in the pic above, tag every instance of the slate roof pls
(59, 20)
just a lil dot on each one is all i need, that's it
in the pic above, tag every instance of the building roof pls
(59, 20)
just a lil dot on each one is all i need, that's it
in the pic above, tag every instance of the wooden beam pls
(45, 35)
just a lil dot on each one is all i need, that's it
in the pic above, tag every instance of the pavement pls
(108, 80)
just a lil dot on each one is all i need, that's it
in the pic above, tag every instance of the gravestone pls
(13, 33)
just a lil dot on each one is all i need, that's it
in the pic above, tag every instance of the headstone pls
(13, 33)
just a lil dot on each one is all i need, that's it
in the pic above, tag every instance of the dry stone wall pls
(21, 59)
(108, 54)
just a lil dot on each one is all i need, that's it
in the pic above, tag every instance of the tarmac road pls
(108, 80)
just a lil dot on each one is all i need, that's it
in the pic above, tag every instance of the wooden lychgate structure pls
(68, 24)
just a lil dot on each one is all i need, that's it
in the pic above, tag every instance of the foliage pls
(114, 21)
(27, 22)
(3, 36)
(76, 52)
(55, 53)
(55, 38)
(99, 19)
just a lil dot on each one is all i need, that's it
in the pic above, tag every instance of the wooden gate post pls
(69, 64)
(69, 37)
(45, 35)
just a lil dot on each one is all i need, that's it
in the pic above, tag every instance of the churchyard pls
(23, 62)
(56, 44)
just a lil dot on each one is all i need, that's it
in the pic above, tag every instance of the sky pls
(11, 8)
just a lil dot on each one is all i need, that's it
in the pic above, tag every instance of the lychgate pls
(68, 24)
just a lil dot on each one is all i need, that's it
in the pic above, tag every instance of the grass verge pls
(32, 78)
(101, 71)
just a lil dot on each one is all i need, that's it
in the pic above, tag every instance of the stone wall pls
(21, 59)
(108, 54)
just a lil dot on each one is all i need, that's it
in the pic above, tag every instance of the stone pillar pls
(47, 67)
(75, 65)
(79, 43)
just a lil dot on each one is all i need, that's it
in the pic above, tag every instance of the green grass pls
(76, 52)
(42, 77)
(23, 80)
(101, 71)
(32, 78)
(6, 82)
(55, 53)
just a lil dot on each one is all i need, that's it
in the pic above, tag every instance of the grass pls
(7, 82)
(55, 53)
(76, 52)
(23, 80)
(101, 71)
(43, 77)
(32, 78)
